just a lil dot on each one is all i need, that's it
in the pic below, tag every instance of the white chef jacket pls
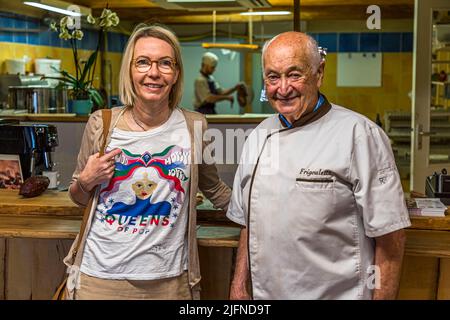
(313, 203)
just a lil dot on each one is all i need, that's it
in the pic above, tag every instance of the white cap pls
(210, 59)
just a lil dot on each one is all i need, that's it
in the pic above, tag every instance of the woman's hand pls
(98, 170)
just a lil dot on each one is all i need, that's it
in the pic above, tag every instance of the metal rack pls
(398, 128)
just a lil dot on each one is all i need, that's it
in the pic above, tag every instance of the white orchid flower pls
(67, 21)
(91, 19)
(65, 35)
(105, 13)
(114, 19)
(77, 34)
(53, 26)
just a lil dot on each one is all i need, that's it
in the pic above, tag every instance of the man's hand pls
(239, 85)
(98, 170)
(389, 250)
(238, 291)
(231, 99)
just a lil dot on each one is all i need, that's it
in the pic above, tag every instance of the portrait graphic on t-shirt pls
(147, 190)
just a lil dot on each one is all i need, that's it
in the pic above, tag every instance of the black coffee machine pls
(438, 186)
(33, 143)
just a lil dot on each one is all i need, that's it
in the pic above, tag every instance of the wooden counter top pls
(53, 215)
(431, 223)
(58, 203)
(46, 117)
(72, 117)
(50, 203)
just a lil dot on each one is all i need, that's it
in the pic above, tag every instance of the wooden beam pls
(296, 26)
(306, 13)
(113, 4)
(277, 3)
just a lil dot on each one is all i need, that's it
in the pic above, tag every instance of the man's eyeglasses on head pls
(164, 65)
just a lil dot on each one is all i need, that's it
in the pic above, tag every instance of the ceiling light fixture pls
(59, 7)
(265, 13)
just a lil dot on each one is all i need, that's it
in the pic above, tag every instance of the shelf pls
(396, 134)
(398, 128)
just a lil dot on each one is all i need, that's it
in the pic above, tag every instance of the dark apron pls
(209, 107)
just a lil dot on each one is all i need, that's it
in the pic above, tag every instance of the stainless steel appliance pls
(33, 143)
(31, 94)
(7, 80)
(37, 99)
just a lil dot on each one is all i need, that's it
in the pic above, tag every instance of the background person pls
(207, 89)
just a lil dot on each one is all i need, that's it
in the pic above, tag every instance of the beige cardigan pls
(202, 176)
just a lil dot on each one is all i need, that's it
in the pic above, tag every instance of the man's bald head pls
(210, 59)
(300, 41)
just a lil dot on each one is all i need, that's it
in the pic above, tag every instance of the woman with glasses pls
(141, 241)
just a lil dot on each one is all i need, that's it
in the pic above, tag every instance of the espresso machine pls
(33, 143)
(438, 186)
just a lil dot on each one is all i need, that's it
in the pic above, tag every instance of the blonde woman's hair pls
(127, 93)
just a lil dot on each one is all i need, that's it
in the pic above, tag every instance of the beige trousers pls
(92, 288)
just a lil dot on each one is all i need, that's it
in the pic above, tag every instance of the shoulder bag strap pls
(106, 116)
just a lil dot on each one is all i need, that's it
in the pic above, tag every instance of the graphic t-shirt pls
(139, 229)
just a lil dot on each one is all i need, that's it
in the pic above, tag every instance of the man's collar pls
(322, 107)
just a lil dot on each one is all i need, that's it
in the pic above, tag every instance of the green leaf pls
(54, 68)
(65, 80)
(88, 83)
(96, 97)
(68, 75)
(88, 65)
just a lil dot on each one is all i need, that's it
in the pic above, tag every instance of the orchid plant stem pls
(100, 40)
(75, 55)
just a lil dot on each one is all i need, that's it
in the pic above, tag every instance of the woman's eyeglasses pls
(164, 65)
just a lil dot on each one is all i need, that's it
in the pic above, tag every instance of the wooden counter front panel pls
(2, 268)
(31, 268)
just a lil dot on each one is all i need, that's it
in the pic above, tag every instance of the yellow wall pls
(11, 50)
(392, 95)
(442, 56)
